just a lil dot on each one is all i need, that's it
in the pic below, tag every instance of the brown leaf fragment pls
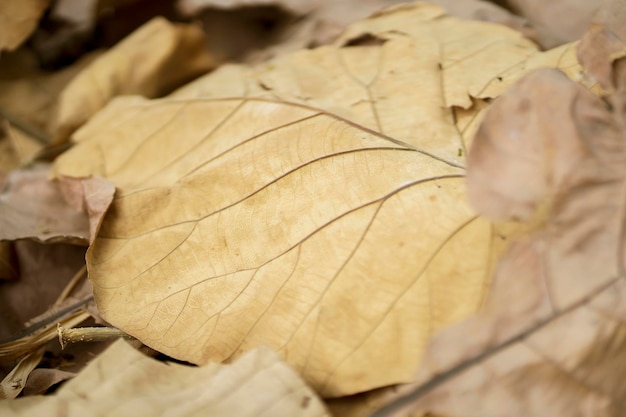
(41, 380)
(556, 21)
(123, 382)
(604, 44)
(8, 264)
(17, 21)
(152, 61)
(65, 210)
(551, 338)
(44, 272)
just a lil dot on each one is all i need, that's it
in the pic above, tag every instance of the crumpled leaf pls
(152, 61)
(123, 382)
(17, 21)
(66, 210)
(228, 234)
(550, 340)
(604, 44)
(423, 82)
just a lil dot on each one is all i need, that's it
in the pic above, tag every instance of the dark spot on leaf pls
(499, 79)
(366, 39)
(305, 402)
(524, 105)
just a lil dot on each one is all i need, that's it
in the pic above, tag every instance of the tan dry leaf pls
(152, 61)
(424, 82)
(65, 210)
(18, 19)
(30, 102)
(298, 232)
(123, 382)
(551, 339)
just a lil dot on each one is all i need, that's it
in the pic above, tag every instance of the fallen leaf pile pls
(299, 229)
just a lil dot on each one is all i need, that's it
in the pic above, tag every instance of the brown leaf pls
(604, 44)
(17, 21)
(67, 210)
(115, 381)
(41, 380)
(550, 340)
(557, 21)
(152, 61)
(44, 272)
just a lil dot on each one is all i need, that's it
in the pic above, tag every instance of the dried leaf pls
(17, 21)
(233, 226)
(603, 44)
(558, 21)
(41, 380)
(68, 210)
(30, 102)
(550, 340)
(112, 384)
(152, 61)
(44, 272)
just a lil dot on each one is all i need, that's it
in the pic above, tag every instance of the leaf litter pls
(234, 182)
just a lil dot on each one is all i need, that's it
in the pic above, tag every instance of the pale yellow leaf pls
(123, 382)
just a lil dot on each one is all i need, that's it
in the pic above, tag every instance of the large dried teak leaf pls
(306, 232)
(123, 382)
(551, 340)
(411, 72)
